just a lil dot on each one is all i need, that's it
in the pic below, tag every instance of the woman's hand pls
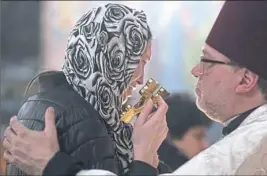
(150, 130)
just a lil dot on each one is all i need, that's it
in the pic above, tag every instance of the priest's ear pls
(247, 82)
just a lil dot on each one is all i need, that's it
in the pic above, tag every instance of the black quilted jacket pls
(81, 132)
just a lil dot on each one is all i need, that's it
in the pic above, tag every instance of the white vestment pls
(242, 152)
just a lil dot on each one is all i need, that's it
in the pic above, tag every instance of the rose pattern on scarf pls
(82, 61)
(103, 51)
(135, 43)
(115, 60)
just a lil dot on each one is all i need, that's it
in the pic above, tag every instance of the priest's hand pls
(30, 150)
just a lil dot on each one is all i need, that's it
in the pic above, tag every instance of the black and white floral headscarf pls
(103, 51)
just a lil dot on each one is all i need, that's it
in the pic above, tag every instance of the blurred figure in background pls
(187, 130)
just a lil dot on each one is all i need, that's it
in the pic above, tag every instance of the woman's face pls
(138, 75)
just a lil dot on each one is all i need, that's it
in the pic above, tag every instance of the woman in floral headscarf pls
(105, 58)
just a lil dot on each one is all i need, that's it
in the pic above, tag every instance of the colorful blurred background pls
(34, 36)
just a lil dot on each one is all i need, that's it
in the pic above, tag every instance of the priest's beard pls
(212, 109)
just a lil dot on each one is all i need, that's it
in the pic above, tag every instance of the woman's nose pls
(140, 80)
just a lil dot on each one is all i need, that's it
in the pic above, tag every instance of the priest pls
(232, 90)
